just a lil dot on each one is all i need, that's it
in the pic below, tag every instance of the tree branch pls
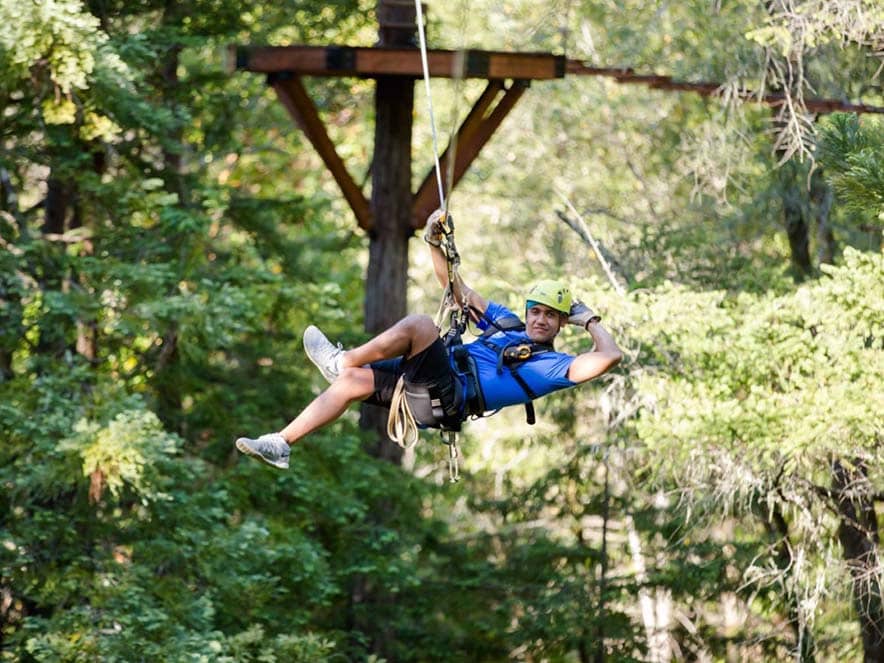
(582, 230)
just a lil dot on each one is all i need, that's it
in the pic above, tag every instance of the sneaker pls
(323, 353)
(271, 449)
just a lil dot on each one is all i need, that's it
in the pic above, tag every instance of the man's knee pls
(422, 332)
(420, 323)
(355, 382)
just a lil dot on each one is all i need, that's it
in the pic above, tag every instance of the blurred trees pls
(166, 234)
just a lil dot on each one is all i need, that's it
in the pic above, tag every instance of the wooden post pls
(385, 287)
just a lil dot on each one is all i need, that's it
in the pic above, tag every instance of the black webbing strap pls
(529, 406)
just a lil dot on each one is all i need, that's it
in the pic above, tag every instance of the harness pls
(510, 356)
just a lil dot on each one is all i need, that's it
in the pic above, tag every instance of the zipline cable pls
(426, 67)
(458, 64)
(402, 427)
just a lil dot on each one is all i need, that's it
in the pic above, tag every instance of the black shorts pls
(432, 389)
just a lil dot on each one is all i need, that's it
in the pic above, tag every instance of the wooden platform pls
(507, 76)
(373, 62)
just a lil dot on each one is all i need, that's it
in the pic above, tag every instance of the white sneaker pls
(270, 448)
(323, 353)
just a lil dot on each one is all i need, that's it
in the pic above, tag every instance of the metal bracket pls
(340, 58)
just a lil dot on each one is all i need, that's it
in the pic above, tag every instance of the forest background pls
(166, 234)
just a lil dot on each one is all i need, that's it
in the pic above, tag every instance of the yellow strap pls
(401, 425)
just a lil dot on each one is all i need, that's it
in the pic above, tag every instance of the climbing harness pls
(512, 355)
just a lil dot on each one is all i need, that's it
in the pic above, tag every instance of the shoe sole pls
(248, 451)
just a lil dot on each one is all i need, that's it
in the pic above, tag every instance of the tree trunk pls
(858, 534)
(60, 214)
(167, 377)
(386, 278)
(821, 196)
(58, 206)
(778, 528)
(12, 316)
(391, 198)
(795, 219)
(172, 155)
(87, 326)
(600, 634)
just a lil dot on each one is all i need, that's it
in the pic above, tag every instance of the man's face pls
(542, 323)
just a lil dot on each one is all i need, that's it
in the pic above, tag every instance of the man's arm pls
(433, 236)
(603, 357)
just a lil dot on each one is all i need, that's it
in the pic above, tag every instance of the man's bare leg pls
(353, 384)
(351, 380)
(406, 338)
(273, 448)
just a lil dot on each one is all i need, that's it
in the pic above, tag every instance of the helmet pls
(554, 294)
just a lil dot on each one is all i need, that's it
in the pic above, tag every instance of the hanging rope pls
(565, 30)
(458, 65)
(401, 425)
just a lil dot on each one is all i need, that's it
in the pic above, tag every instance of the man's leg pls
(411, 335)
(353, 380)
(406, 338)
(352, 384)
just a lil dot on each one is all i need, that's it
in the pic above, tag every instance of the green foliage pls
(122, 452)
(814, 351)
(59, 35)
(193, 236)
(61, 49)
(852, 154)
(754, 396)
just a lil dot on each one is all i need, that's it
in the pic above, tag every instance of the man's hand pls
(434, 232)
(582, 315)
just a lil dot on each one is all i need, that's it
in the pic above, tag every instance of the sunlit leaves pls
(735, 375)
(121, 453)
(852, 153)
(57, 34)
(58, 46)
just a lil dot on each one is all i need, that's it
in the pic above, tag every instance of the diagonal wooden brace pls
(475, 131)
(294, 97)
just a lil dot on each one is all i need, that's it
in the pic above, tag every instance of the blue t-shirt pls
(544, 373)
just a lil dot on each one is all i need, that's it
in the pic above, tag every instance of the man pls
(506, 366)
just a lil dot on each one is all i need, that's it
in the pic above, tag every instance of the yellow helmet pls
(554, 294)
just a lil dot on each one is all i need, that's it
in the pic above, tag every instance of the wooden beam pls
(372, 62)
(294, 97)
(711, 89)
(473, 134)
